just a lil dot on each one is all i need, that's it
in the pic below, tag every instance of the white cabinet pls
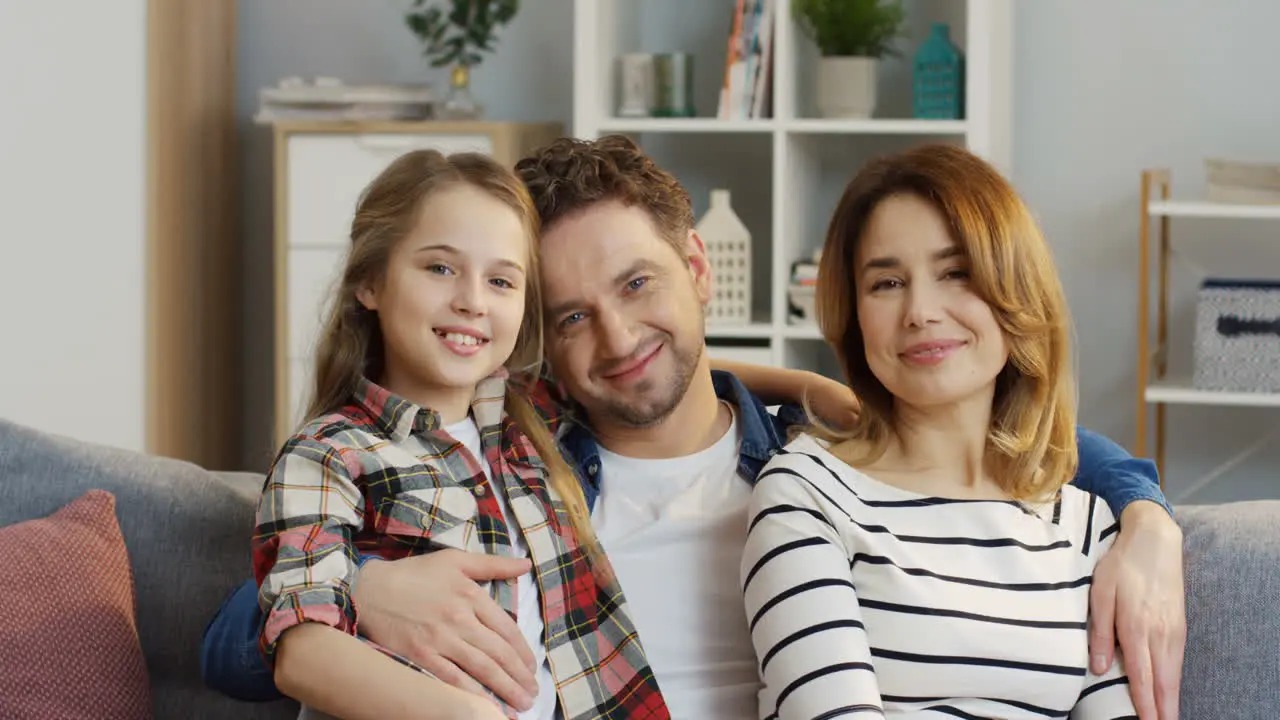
(321, 169)
(327, 171)
(312, 275)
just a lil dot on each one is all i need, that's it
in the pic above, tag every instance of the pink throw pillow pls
(68, 633)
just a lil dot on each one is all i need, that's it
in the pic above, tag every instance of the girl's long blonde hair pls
(1031, 444)
(350, 343)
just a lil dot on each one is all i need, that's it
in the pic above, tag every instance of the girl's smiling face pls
(452, 299)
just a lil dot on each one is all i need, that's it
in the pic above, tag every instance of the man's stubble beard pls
(652, 413)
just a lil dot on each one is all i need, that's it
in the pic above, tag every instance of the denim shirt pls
(229, 656)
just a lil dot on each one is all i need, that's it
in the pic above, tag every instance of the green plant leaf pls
(417, 24)
(459, 31)
(460, 14)
(505, 11)
(851, 28)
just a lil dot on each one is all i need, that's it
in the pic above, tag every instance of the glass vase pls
(460, 105)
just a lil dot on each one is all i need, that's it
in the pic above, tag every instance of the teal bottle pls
(938, 81)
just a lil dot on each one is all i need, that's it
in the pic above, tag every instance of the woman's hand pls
(832, 401)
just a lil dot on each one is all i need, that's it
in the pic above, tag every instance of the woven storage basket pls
(1237, 345)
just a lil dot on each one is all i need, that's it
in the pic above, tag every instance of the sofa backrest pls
(187, 531)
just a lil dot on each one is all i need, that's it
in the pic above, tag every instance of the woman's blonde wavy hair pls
(350, 343)
(1031, 448)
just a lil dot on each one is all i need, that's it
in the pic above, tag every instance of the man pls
(668, 451)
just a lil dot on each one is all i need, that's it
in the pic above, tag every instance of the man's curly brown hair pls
(569, 175)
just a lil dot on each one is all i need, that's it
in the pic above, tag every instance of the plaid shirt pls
(381, 477)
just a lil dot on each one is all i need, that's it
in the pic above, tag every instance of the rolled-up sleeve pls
(303, 555)
(1111, 473)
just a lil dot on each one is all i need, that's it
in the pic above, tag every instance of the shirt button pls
(593, 468)
(479, 490)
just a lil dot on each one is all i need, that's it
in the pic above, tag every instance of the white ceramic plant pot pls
(846, 87)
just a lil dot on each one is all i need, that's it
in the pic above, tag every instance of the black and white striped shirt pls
(868, 600)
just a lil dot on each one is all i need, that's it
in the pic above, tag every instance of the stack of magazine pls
(329, 99)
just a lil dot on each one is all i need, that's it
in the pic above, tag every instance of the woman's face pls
(929, 338)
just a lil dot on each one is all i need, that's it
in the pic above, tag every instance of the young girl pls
(934, 562)
(418, 442)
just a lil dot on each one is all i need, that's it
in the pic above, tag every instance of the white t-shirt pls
(528, 600)
(674, 530)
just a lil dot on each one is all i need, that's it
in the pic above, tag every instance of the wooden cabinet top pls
(411, 126)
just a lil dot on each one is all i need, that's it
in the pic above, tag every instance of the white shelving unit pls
(1179, 391)
(785, 171)
(1157, 389)
(1167, 208)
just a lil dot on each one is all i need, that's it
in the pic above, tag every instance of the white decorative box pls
(1243, 183)
(728, 245)
(1237, 345)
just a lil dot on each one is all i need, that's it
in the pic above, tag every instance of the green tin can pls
(673, 73)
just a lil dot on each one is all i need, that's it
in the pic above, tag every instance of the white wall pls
(1103, 90)
(72, 204)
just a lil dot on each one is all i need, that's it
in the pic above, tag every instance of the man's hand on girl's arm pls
(432, 610)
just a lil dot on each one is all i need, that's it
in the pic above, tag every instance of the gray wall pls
(1102, 90)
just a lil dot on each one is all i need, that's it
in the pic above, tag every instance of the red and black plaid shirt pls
(382, 478)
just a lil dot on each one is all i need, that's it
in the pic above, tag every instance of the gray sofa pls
(187, 533)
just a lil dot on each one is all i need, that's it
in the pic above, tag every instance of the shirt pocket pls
(430, 517)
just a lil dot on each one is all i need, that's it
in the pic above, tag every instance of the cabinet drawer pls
(327, 172)
(313, 278)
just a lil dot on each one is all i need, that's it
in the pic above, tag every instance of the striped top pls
(867, 600)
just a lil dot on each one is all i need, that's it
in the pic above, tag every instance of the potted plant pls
(456, 32)
(852, 36)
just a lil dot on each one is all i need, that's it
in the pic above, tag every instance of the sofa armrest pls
(1232, 561)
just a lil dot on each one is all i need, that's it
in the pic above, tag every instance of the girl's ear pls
(367, 297)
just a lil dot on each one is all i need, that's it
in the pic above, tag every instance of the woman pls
(933, 561)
